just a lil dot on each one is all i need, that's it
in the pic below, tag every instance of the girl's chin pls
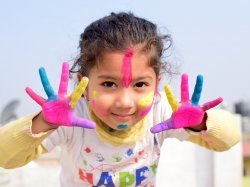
(120, 127)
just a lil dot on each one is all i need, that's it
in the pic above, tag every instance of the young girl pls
(112, 126)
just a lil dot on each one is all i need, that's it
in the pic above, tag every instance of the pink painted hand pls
(58, 109)
(187, 113)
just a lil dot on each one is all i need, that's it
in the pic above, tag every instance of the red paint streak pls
(127, 69)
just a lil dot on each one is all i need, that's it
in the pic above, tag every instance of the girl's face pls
(121, 89)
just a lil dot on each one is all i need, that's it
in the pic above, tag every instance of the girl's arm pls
(21, 140)
(18, 144)
(222, 131)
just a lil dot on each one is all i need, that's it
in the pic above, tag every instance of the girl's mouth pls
(122, 116)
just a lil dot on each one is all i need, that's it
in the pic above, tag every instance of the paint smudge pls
(87, 150)
(146, 111)
(127, 69)
(122, 126)
(130, 152)
(147, 100)
(93, 101)
(94, 104)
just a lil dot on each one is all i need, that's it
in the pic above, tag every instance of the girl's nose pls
(124, 99)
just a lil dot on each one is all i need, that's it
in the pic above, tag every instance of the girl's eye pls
(140, 84)
(108, 84)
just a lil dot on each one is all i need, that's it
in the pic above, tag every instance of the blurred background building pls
(243, 108)
(39, 173)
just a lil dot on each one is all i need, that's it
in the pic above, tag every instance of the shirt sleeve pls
(18, 145)
(222, 132)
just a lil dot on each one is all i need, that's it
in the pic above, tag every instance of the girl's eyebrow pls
(117, 77)
(142, 78)
(107, 77)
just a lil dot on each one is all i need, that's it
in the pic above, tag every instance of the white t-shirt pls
(87, 161)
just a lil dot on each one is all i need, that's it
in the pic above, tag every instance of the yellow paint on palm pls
(171, 98)
(77, 93)
(147, 100)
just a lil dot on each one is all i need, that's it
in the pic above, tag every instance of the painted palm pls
(59, 109)
(188, 112)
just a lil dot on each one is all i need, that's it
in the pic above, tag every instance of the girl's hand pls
(187, 113)
(57, 110)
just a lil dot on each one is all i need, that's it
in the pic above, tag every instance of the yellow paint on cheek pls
(93, 101)
(147, 100)
(94, 94)
(94, 104)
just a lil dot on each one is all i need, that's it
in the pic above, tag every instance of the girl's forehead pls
(116, 60)
(112, 64)
(117, 73)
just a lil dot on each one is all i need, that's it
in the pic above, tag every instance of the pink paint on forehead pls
(127, 68)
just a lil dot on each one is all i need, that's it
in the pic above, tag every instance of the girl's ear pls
(79, 78)
(159, 79)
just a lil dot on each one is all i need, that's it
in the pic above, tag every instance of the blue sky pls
(210, 38)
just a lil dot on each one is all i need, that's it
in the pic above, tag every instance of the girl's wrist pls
(40, 125)
(202, 126)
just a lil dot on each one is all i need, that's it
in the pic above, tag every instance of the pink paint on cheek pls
(146, 111)
(98, 108)
(146, 102)
(93, 103)
(127, 69)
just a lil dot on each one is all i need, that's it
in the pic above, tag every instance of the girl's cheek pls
(147, 100)
(93, 100)
(146, 111)
(98, 104)
(146, 103)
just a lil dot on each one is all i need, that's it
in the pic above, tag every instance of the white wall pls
(189, 165)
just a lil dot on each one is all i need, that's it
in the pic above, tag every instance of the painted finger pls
(38, 99)
(166, 125)
(211, 104)
(76, 95)
(184, 88)
(197, 90)
(63, 87)
(81, 122)
(46, 84)
(171, 98)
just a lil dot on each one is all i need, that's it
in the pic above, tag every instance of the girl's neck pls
(119, 137)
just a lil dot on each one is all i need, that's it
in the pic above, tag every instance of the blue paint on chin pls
(122, 126)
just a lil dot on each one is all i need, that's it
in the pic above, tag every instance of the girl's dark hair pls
(119, 32)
